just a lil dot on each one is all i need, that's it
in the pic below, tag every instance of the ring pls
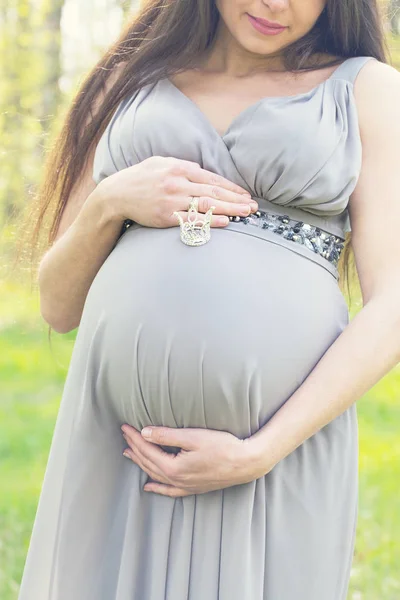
(195, 231)
(194, 203)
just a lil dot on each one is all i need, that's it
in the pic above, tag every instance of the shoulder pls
(377, 95)
(376, 77)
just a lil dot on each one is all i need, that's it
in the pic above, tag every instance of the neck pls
(228, 57)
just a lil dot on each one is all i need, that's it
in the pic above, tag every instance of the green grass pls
(33, 376)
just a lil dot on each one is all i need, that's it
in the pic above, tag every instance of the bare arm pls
(67, 271)
(369, 347)
(86, 235)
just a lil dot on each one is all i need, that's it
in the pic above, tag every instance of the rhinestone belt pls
(314, 238)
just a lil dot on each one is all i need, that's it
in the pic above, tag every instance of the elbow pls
(51, 308)
(51, 313)
(57, 322)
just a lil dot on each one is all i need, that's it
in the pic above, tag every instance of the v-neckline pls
(252, 107)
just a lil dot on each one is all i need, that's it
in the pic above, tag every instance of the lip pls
(266, 23)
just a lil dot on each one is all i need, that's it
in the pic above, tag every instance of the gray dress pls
(217, 336)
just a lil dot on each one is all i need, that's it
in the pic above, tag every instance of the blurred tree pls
(127, 7)
(394, 16)
(18, 75)
(46, 46)
(50, 35)
(29, 71)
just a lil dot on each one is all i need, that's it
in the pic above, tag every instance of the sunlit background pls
(46, 46)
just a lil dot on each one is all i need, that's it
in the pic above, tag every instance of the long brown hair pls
(163, 38)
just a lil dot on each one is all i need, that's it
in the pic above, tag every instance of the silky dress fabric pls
(218, 336)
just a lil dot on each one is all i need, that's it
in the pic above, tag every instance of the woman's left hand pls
(208, 459)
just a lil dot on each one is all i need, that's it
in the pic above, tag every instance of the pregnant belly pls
(215, 336)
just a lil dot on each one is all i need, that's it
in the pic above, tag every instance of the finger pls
(149, 466)
(214, 179)
(225, 202)
(216, 220)
(145, 466)
(126, 428)
(224, 207)
(182, 437)
(137, 443)
(192, 171)
(161, 460)
(131, 435)
(217, 192)
(221, 207)
(166, 490)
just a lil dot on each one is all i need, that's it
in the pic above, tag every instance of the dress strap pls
(349, 69)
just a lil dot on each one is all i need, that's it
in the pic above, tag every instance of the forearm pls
(366, 350)
(67, 270)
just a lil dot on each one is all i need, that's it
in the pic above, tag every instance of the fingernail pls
(245, 210)
(254, 205)
(146, 432)
(126, 454)
(223, 220)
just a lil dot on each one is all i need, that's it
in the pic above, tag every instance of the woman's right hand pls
(150, 192)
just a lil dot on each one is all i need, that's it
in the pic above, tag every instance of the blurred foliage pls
(33, 100)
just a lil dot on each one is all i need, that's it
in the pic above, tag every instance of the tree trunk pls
(127, 7)
(394, 16)
(51, 49)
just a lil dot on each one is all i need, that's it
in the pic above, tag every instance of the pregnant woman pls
(277, 124)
